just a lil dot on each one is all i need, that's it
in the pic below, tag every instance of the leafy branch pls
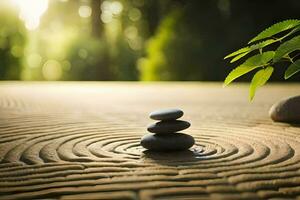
(264, 61)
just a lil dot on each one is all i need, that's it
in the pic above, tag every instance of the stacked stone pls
(164, 134)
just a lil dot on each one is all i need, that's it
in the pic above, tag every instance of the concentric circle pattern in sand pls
(81, 141)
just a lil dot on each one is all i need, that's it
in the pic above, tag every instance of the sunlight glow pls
(85, 11)
(52, 70)
(110, 10)
(31, 11)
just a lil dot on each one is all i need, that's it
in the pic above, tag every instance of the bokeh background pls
(131, 40)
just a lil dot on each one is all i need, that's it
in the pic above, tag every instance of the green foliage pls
(122, 61)
(244, 51)
(287, 48)
(292, 69)
(12, 42)
(286, 51)
(275, 29)
(249, 65)
(177, 50)
(89, 60)
(259, 79)
(156, 66)
(185, 47)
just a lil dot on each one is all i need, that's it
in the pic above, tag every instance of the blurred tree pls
(123, 61)
(125, 32)
(180, 49)
(76, 40)
(191, 45)
(104, 39)
(87, 57)
(156, 66)
(97, 25)
(12, 41)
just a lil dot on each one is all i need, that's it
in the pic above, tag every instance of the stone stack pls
(164, 134)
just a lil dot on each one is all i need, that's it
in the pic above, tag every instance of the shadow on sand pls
(172, 157)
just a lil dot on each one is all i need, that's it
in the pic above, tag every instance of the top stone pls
(166, 114)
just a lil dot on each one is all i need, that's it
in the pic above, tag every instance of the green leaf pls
(287, 47)
(251, 48)
(294, 30)
(259, 79)
(276, 28)
(242, 50)
(292, 69)
(239, 57)
(249, 65)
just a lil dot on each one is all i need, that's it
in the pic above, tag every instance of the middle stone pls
(168, 126)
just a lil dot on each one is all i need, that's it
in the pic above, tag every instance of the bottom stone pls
(167, 142)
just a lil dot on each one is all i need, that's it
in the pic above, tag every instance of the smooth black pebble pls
(166, 114)
(170, 126)
(286, 110)
(167, 142)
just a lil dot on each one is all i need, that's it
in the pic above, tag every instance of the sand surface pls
(81, 141)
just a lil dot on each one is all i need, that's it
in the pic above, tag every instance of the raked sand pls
(81, 141)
